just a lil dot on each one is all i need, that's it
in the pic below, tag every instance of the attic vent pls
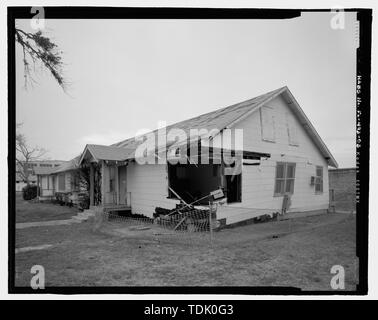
(291, 130)
(267, 124)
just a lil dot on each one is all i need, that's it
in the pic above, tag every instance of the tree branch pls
(40, 48)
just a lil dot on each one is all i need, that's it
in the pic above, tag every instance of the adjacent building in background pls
(342, 189)
(31, 171)
(62, 179)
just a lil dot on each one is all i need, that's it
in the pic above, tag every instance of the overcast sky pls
(127, 75)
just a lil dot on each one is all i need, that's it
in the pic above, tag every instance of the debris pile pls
(184, 218)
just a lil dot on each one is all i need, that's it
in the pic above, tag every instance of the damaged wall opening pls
(192, 182)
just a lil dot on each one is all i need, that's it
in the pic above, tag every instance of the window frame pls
(319, 178)
(62, 177)
(265, 111)
(285, 179)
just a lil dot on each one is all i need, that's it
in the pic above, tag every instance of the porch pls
(116, 207)
(107, 177)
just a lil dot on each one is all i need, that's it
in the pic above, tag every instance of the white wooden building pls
(282, 155)
(285, 156)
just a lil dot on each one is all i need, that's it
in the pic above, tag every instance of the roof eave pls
(87, 149)
(247, 114)
(299, 112)
(310, 129)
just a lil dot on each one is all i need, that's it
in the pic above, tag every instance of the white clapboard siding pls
(258, 181)
(148, 185)
(44, 182)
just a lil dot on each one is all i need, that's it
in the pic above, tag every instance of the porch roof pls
(40, 171)
(96, 152)
(67, 166)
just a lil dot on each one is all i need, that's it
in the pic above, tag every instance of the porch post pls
(38, 187)
(91, 185)
(116, 183)
(103, 182)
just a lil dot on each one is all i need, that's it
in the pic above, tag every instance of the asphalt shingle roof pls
(43, 170)
(67, 166)
(112, 153)
(217, 119)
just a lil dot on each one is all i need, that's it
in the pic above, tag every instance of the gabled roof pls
(100, 152)
(218, 119)
(229, 116)
(309, 128)
(42, 170)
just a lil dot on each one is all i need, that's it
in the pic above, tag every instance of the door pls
(122, 184)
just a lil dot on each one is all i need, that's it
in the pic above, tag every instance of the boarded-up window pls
(62, 182)
(292, 130)
(285, 176)
(267, 124)
(319, 180)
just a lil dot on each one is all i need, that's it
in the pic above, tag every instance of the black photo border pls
(363, 67)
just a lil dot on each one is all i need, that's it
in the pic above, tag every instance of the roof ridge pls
(235, 105)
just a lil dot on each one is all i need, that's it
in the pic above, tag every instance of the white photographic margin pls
(373, 205)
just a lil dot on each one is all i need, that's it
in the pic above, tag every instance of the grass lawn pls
(298, 252)
(29, 211)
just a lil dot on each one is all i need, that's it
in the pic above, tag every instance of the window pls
(319, 180)
(61, 182)
(267, 124)
(45, 165)
(74, 181)
(31, 165)
(285, 176)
